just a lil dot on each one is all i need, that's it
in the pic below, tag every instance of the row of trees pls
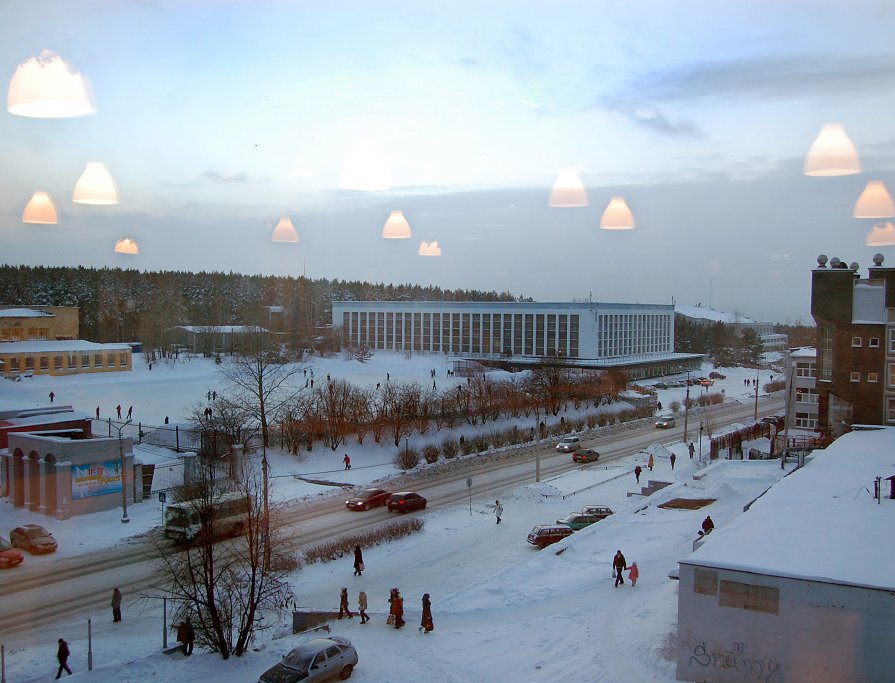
(727, 344)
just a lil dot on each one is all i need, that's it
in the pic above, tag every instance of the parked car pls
(545, 534)
(585, 455)
(716, 375)
(314, 660)
(660, 385)
(9, 556)
(405, 501)
(665, 422)
(33, 538)
(578, 520)
(366, 499)
(706, 382)
(601, 511)
(569, 444)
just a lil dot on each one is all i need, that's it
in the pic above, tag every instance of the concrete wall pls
(820, 631)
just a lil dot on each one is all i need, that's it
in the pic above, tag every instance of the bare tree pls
(225, 587)
(260, 378)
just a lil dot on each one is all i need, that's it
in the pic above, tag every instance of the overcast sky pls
(216, 118)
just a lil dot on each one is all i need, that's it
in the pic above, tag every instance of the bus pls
(183, 520)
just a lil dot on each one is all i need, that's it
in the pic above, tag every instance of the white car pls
(569, 444)
(314, 660)
(665, 422)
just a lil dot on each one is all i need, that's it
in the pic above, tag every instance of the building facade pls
(38, 323)
(213, 339)
(25, 358)
(855, 320)
(801, 387)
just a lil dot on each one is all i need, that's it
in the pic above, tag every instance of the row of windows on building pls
(72, 361)
(633, 334)
(24, 334)
(488, 333)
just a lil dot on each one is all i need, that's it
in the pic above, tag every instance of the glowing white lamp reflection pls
(48, 87)
(568, 190)
(875, 202)
(95, 186)
(127, 246)
(429, 249)
(40, 210)
(617, 215)
(285, 231)
(832, 153)
(396, 227)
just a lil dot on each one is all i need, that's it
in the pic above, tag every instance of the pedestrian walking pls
(130, 412)
(618, 565)
(116, 605)
(633, 574)
(214, 396)
(433, 384)
(426, 624)
(118, 408)
(637, 472)
(52, 396)
(189, 637)
(673, 458)
(347, 462)
(498, 510)
(362, 607)
(97, 412)
(343, 604)
(650, 462)
(150, 367)
(208, 395)
(358, 561)
(396, 608)
(691, 449)
(166, 419)
(62, 657)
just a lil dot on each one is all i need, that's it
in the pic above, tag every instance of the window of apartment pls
(855, 377)
(29, 364)
(14, 364)
(892, 340)
(805, 370)
(890, 410)
(44, 363)
(705, 582)
(806, 421)
(57, 362)
(748, 596)
(826, 354)
(872, 377)
(855, 342)
(122, 360)
(873, 342)
(807, 396)
(97, 360)
(110, 360)
(85, 361)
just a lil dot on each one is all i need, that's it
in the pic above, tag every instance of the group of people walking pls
(395, 609)
(620, 564)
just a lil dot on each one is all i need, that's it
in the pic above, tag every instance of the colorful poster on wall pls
(95, 479)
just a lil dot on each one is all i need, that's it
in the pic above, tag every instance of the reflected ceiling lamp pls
(874, 202)
(881, 235)
(40, 209)
(832, 153)
(396, 227)
(568, 190)
(429, 249)
(95, 186)
(285, 231)
(127, 246)
(617, 215)
(48, 87)
(366, 168)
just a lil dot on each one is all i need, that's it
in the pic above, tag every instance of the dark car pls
(578, 520)
(546, 534)
(601, 511)
(314, 660)
(585, 455)
(716, 375)
(9, 556)
(33, 538)
(366, 499)
(405, 501)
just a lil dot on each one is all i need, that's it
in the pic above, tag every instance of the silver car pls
(666, 422)
(314, 660)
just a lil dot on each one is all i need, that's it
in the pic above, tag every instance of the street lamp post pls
(700, 442)
(687, 407)
(124, 518)
(755, 416)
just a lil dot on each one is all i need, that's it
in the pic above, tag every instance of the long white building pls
(604, 334)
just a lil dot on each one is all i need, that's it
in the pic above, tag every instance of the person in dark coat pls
(116, 605)
(637, 471)
(52, 396)
(618, 565)
(396, 607)
(189, 634)
(343, 604)
(358, 561)
(673, 458)
(707, 525)
(426, 624)
(62, 656)
(692, 449)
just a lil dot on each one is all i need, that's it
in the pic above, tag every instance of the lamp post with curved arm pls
(124, 518)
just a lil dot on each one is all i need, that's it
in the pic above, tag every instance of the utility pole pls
(687, 407)
(124, 517)
(755, 417)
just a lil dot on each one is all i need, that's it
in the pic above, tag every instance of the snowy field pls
(503, 610)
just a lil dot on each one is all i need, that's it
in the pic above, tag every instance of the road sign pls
(469, 482)
(162, 496)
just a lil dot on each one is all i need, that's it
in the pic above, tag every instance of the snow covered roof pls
(804, 352)
(59, 346)
(24, 313)
(219, 329)
(703, 313)
(821, 522)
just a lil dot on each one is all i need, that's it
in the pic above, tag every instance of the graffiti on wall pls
(751, 668)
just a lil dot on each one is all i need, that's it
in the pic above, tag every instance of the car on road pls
(716, 375)
(366, 499)
(706, 382)
(660, 385)
(405, 501)
(9, 556)
(546, 534)
(578, 520)
(585, 455)
(33, 538)
(601, 511)
(665, 422)
(314, 660)
(569, 444)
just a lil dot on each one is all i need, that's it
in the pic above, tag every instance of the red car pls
(405, 501)
(33, 538)
(9, 556)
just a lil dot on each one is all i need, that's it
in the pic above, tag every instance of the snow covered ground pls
(503, 610)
